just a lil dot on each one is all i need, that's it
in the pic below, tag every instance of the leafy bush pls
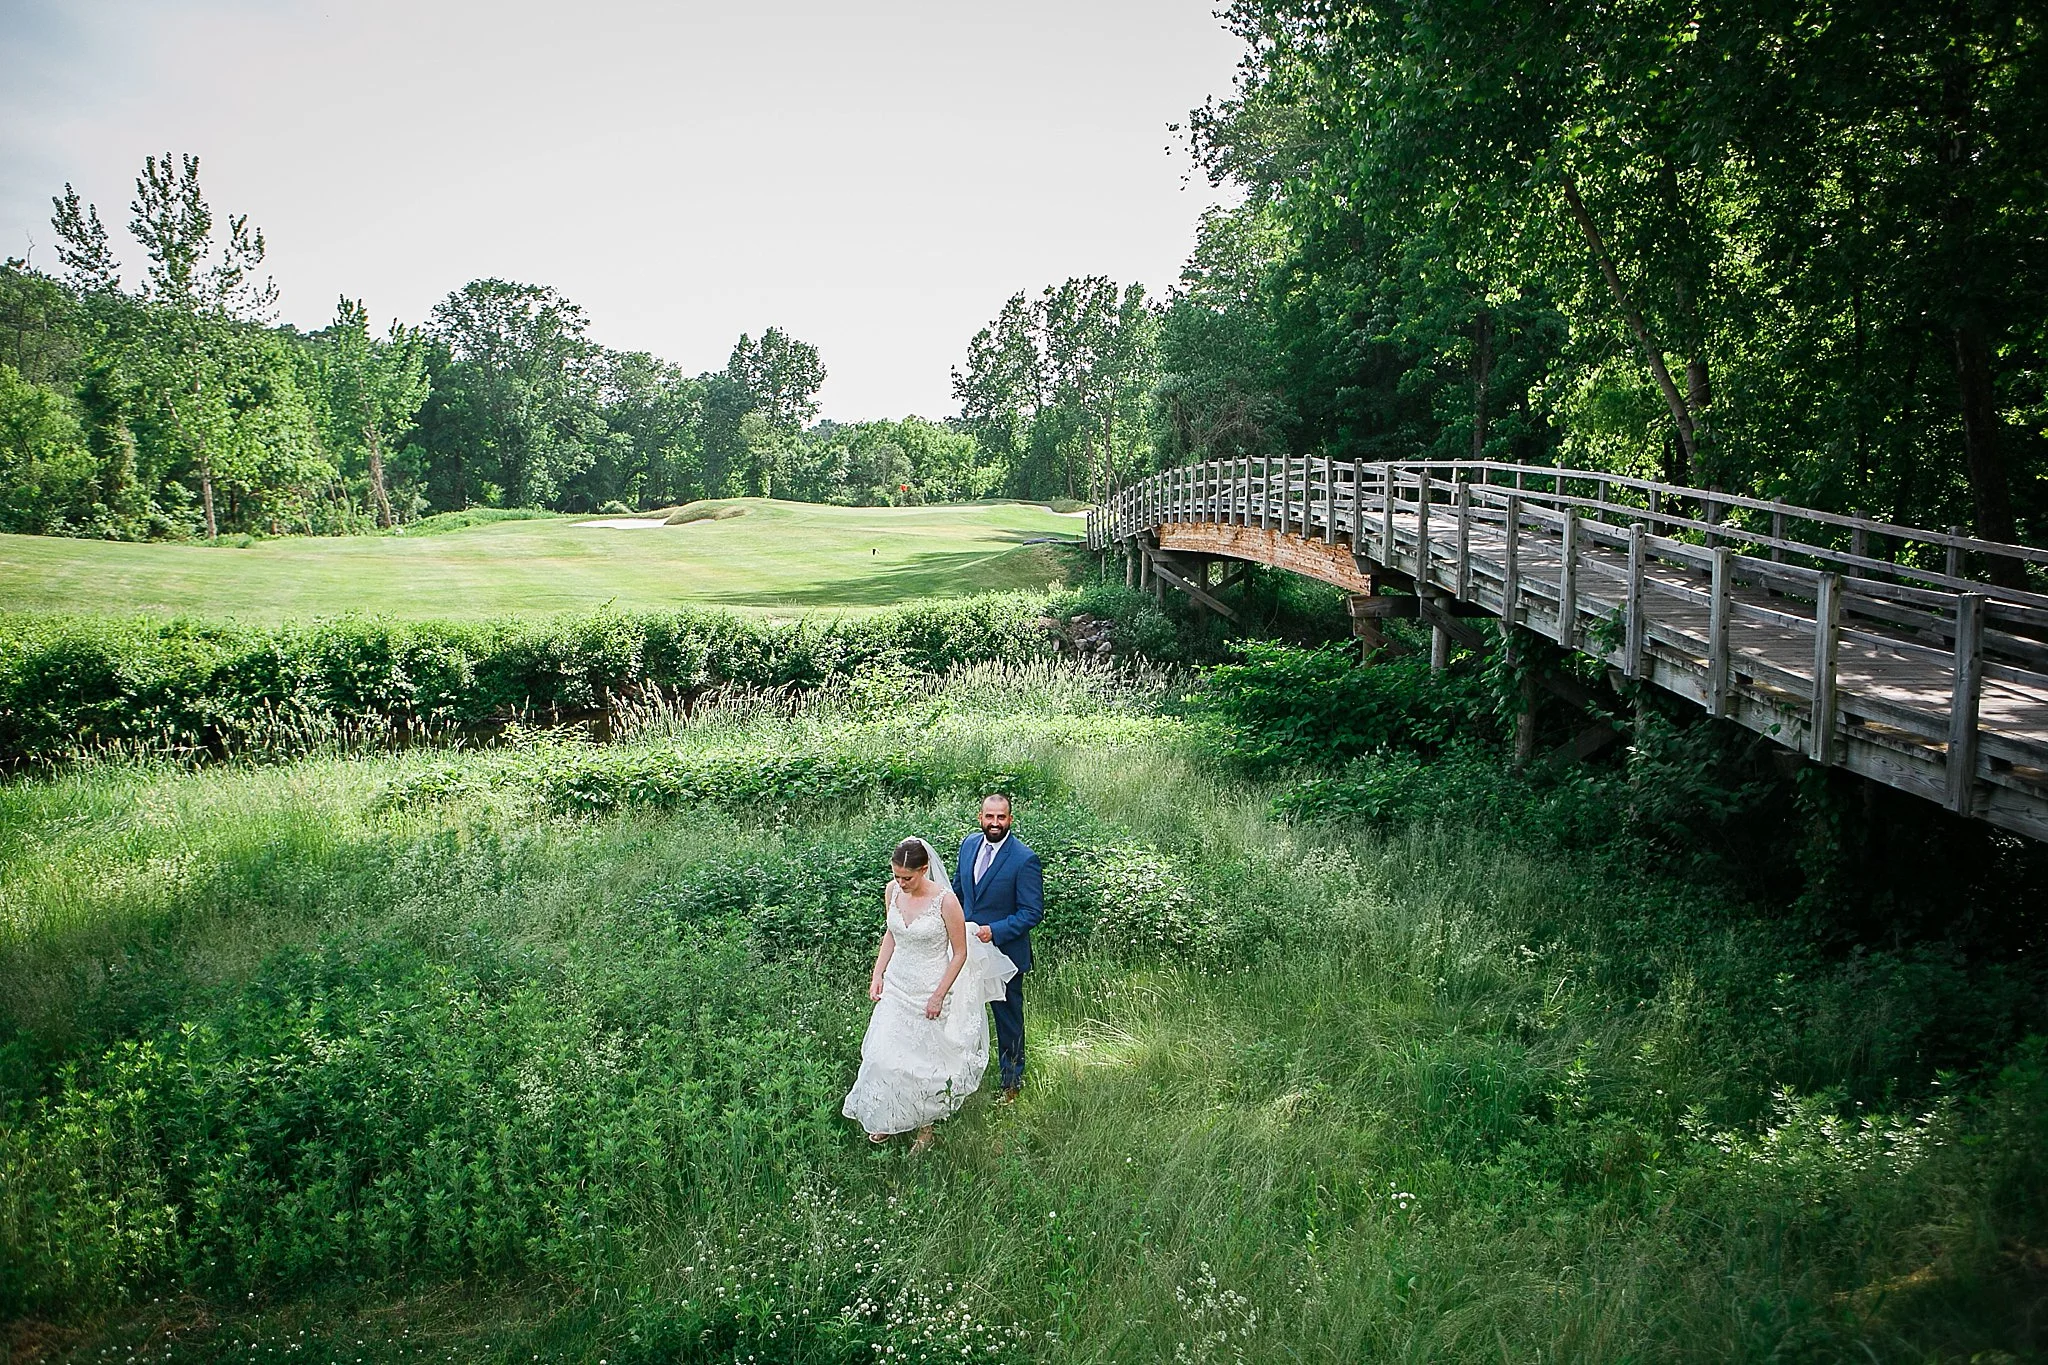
(1284, 705)
(761, 783)
(71, 685)
(1139, 627)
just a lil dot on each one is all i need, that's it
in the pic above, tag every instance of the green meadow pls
(535, 1054)
(778, 555)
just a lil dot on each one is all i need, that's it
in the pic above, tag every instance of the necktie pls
(984, 858)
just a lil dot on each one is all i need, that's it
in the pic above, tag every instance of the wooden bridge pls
(1887, 650)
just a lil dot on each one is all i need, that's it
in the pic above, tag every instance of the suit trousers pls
(1009, 1012)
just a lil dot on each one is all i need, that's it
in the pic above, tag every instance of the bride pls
(927, 1041)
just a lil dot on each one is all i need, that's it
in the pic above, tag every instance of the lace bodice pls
(922, 950)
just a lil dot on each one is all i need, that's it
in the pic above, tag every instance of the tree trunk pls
(1698, 394)
(205, 463)
(1482, 378)
(1681, 416)
(375, 446)
(206, 495)
(1990, 496)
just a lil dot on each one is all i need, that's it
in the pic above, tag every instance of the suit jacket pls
(1010, 899)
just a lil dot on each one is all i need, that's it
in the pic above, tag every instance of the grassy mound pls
(706, 511)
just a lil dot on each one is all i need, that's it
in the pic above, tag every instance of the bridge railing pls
(1270, 490)
(1942, 611)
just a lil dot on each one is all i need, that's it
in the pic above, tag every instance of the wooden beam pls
(1464, 538)
(1387, 515)
(1433, 612)
(1588, 741)
(1329, 500)
(1185, 582)
(1422, 526)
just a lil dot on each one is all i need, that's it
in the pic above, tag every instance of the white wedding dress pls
(915, 1070)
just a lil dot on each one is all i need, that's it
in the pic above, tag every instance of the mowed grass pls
(778, 555)
(397, 1059)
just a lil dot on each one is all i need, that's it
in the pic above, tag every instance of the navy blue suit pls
(1010, 900)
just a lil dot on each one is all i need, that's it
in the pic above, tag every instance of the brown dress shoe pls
(1009, 1095)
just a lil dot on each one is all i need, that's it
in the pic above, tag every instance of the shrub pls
(1283, 705)
(1139, 627)
(70, 685)
(760, 782)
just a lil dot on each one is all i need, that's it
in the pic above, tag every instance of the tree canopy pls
(1755, 246)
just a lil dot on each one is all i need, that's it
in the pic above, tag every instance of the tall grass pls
(294, 1046)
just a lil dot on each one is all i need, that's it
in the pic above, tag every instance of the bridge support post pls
(1717, 634)
(1439, 649)
(1526, 695)
(1511, 570)
(1633, 641)
(1827, 637)
(1962, 724)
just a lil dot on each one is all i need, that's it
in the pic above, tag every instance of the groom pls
(1002, 889)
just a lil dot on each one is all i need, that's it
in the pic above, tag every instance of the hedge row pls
(72, 685)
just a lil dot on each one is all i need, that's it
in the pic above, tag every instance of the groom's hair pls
(1003, 797)
(910, 855)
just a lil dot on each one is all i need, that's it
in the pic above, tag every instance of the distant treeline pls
(1794, 253)
(178, 407)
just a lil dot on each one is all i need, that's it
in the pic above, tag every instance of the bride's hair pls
(910, 856)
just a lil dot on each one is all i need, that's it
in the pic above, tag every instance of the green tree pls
(82, 246)
(1219, 392)
(775, 379)
(1059, 386)
(373, 389)
(42, 332)
(654, 413)
(1790, 251)
(519, 417)
(182, 345)
(46, 470)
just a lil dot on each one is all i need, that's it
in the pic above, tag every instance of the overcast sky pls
(875, 179)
